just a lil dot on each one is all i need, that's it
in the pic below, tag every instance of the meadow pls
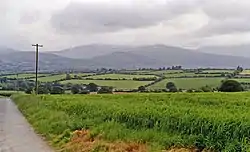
(117, 84)
(189, 83)
(51, 78)
(121, 76)
(245, 72)
(212, 121)
(23, 75)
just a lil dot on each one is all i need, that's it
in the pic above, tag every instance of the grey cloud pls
(226, 17)
(226, 26)
(224, 9)
(29, 17)
(86, 17)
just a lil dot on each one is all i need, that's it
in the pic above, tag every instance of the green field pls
(121, 76)
(188, 83)
(243, 80)
(119, 84)
(216, 121)
(245, 72)
(217, 71)
(60, 76)
(51, 78)
(190, 75)
(22, 76)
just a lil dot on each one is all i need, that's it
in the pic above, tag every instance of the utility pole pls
(37, 46)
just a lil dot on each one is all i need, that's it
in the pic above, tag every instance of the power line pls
(37, 47)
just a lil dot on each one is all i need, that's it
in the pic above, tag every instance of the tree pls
(43, 90)
(68, 76)
(57, 90)
(141, 89)
(104, 90)
(231, 86)
(84, 92)
(75, 89)
(92, 87)
(240, 69)
(171, 87)
(29, 91)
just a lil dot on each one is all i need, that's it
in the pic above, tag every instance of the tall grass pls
(216, 121)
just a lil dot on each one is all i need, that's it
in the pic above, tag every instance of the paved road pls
(16, 135)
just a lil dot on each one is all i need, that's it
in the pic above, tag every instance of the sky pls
(59, 24)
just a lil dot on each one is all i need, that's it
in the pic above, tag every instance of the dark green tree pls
(68, 76)
(57, 90)
(141, 89)
(171, 87)
(92, 87)
(231, 86)
(75, 89)
(105, 90)
(43, 90)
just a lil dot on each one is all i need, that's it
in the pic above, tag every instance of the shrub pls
(141, 89)
(57, 90)
(84, 92)
(104, 90)
(29, 91)
(75, 89)
(231, 86)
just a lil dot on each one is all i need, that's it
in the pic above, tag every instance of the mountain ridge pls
(129, 57)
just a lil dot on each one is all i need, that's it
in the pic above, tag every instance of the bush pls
(75, 89)
(57, 90)
(92, 87)
(231, 86)
(104, 90)
(171, 87)
(43, 90)
(141, 89)
(85, 92)
(29, 91)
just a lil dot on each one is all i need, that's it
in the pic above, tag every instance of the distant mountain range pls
(113, 56)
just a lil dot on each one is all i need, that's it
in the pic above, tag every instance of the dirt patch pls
(186, 150)
(82, 141)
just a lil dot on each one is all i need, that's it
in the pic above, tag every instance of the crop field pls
(188, 83)
(22, 76)
(119, 84)
(121, 76)
(216, 121)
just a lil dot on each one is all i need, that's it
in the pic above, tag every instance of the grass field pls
(120, 84)
(59, 77)
(245, 72)
(51, 78)
(188, 83)
(218, 71)
(121, 76)
(217, 121)
(243, 80)
(189, 75)
(22, 76)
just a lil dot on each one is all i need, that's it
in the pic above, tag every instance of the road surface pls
(16, 135)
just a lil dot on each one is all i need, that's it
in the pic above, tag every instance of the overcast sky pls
(59, 24)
